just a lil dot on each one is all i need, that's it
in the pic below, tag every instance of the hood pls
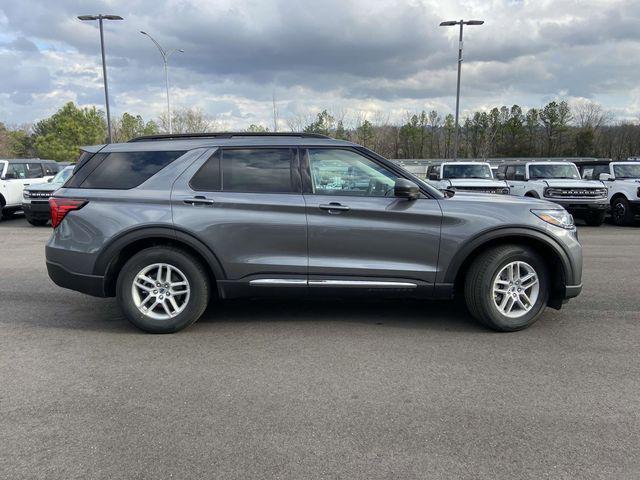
(44, 187)
(476, 182)
(563, 182)
(502, 199)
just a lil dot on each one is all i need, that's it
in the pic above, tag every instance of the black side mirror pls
(500, 176)
(433, 176)
(519, 177)
(406, 189)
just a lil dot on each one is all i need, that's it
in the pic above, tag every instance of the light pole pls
(462, 23)
(165, 58)
(100, 18)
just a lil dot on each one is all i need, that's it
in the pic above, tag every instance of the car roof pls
(190, 142)
(458, 162)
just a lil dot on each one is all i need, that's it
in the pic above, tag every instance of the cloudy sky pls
(357, 57)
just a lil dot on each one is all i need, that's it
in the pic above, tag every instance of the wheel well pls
(113, 270)
(551, 259)
(532, 194)
(618, 195)
(3, 202)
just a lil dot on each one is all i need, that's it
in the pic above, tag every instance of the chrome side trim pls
(360, 284)
(278, 282)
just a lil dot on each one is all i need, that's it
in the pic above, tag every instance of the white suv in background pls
(15, 174)
(465, 176)
(622, 180)
(559, 182)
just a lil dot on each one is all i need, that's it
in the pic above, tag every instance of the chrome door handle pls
(334, 207)
(199, 200)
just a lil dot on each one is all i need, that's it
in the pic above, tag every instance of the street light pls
(165, 58)
(100, 18)
(452, 23)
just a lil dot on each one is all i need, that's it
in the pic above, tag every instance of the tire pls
(595, 218)
(184, 267)
(479, 288)
(37, 223)
(621, 213)
(8, 215)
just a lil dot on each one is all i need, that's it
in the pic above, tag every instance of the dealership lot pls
(331, 389)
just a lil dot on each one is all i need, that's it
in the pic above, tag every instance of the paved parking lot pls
(319, 389)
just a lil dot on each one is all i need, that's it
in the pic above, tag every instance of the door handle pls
(334, 207)
(198, 200)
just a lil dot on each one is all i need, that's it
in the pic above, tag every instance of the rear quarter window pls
(121, 170)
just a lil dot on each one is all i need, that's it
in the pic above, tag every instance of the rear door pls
(246, 204)
(360, 235)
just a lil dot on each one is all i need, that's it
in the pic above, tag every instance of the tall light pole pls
(165, 58)
(462, 23)
(100, 18)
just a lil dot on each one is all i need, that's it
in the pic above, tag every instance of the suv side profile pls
(622, 180)
(559, 182)
(15, 174)
(166, 223)
(466, 176)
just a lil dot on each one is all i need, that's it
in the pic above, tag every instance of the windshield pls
(466, 171)
(554, 171)
(627, 170)
(62, 175)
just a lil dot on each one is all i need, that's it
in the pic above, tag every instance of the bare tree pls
(188, 120)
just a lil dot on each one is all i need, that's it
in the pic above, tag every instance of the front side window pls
(17, 170)
(466, 171)
(63, 175)
(34, 170)
(259, 170)
(627, 170)
(50, 169)
(343, 172)
(568, 171)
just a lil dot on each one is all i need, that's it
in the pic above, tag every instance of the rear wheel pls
(163, 289)
(506, 288)
(595, 218)
(621, 212)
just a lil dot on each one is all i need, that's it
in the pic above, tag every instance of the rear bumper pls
(89, 284)
(37, 211)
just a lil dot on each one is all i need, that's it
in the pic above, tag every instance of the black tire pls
(478, 287)
(8, 215)
(189, 266)
(36, 222)
(621, 212)
(595, 218)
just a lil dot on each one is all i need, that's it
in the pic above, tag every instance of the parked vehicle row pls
(165, 223)
(15, 175)
(35, 198)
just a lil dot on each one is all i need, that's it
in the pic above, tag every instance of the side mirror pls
(605, 176)
(433, 176)
(501, 176)
(406, 189)
(50, 180)
(519, 177)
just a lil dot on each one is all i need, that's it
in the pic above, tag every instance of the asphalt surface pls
(306, 390)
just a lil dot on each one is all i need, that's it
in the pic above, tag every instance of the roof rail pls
(189, 136)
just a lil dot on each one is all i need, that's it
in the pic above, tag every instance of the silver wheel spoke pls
(157, 298)
(516, 288)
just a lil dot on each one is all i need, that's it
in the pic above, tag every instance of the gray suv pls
(166, 223)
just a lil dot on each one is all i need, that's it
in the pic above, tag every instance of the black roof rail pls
(189, 136)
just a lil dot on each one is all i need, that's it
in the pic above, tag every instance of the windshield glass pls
(466, 171)
(62, 175)
(554, 171)
(627, 170)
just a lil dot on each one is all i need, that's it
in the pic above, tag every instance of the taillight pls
(61, 206)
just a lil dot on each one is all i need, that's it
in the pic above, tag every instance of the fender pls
(506, 232)
(116, 245)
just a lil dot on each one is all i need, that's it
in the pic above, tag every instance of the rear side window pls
(34, 170)
(263, 170)
(207, 178)
(121, 170)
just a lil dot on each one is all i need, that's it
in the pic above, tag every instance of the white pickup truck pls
(15, 175)
(622, 180)
(466, 176)
(559, 182)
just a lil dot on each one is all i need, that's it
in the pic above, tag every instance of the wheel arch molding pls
(111, 259)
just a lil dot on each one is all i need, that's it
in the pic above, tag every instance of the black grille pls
(497, 190)
(557, 192)
(40, 195)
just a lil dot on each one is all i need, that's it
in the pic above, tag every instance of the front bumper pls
(37, 211)
(581, 206)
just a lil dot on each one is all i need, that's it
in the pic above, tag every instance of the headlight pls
(26, 194)
(505, 191)
(559, 218)
(639, 191)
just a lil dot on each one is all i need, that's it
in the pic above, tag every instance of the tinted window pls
(207, 178)
(266, 170)
(342, 172)
(568, 171)
(82, 171)
(34, 170)
(124, 170)
(592, 172)
(50, 168)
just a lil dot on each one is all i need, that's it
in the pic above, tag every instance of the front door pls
(359, 233)
(19, 176)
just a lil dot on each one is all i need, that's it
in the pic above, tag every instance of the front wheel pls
(163, 289)
(506, 288)
(595, 218)
(621, 212)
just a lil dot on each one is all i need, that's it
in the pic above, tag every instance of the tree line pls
(555, 130)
